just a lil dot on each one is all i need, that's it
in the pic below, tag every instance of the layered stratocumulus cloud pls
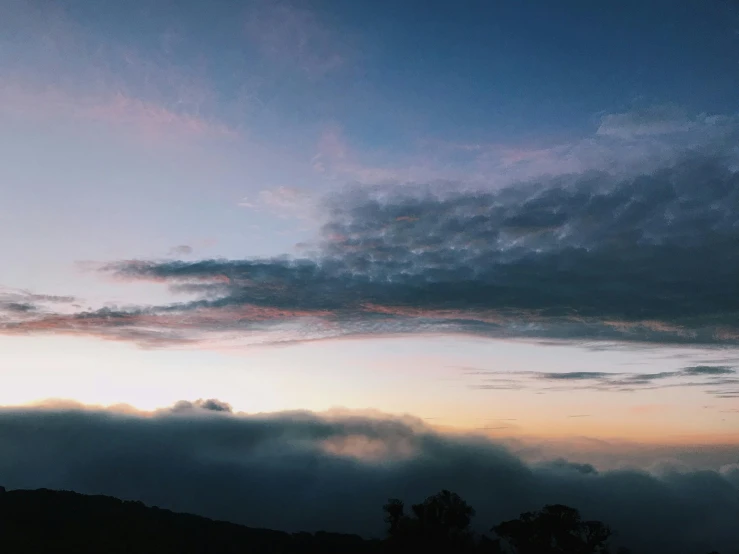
(648, 258)
(307, 471)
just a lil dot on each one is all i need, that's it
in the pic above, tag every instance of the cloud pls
(708, 370)
(10, 294)
(20, 304)
(650, 120)
(150, 120)
(292, 35)
(181, 250)
(333, 471)
(718, 381)
(574, 375)
(621, 144)
(210, 405)
(339, 160)
(56, 68)
(648, 259)
(284, 202)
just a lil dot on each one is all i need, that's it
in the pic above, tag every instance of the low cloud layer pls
(307, 471)
(650, 258)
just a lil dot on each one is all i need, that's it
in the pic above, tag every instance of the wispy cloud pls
(708, 370)
(718, 381)
(181, 250)
(574, 376)
(650, 120)
(284, 202)
(290, 34)
(339, 160)
(56, 68)
(149, 120)
(17, 304)
(622, 144)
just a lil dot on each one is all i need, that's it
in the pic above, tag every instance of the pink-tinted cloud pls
(150, 121)
(498, 318)
(338, 160)
(57, 69)
(155, 121)
(169, 327)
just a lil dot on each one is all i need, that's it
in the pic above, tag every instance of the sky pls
(513, 221)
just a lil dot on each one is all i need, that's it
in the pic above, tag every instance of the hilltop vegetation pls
(40, 521)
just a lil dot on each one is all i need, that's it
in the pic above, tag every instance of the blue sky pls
(494, 70)
(155, 151)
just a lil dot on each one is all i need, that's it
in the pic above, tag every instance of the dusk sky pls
(518, 220)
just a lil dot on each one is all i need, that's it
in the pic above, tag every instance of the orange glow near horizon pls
(423, 377)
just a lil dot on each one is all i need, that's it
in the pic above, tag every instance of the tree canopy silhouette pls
(555, 529)
(441, 523)
(438, 524)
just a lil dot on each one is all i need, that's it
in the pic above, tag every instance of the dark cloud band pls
(651, 258)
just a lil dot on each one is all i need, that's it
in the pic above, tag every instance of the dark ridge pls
(43, 520)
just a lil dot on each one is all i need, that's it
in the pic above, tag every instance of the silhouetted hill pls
(39, 521)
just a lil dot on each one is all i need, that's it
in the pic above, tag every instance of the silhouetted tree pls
(394, 514)
(555, 529)
(445, 514)
(438, 524)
